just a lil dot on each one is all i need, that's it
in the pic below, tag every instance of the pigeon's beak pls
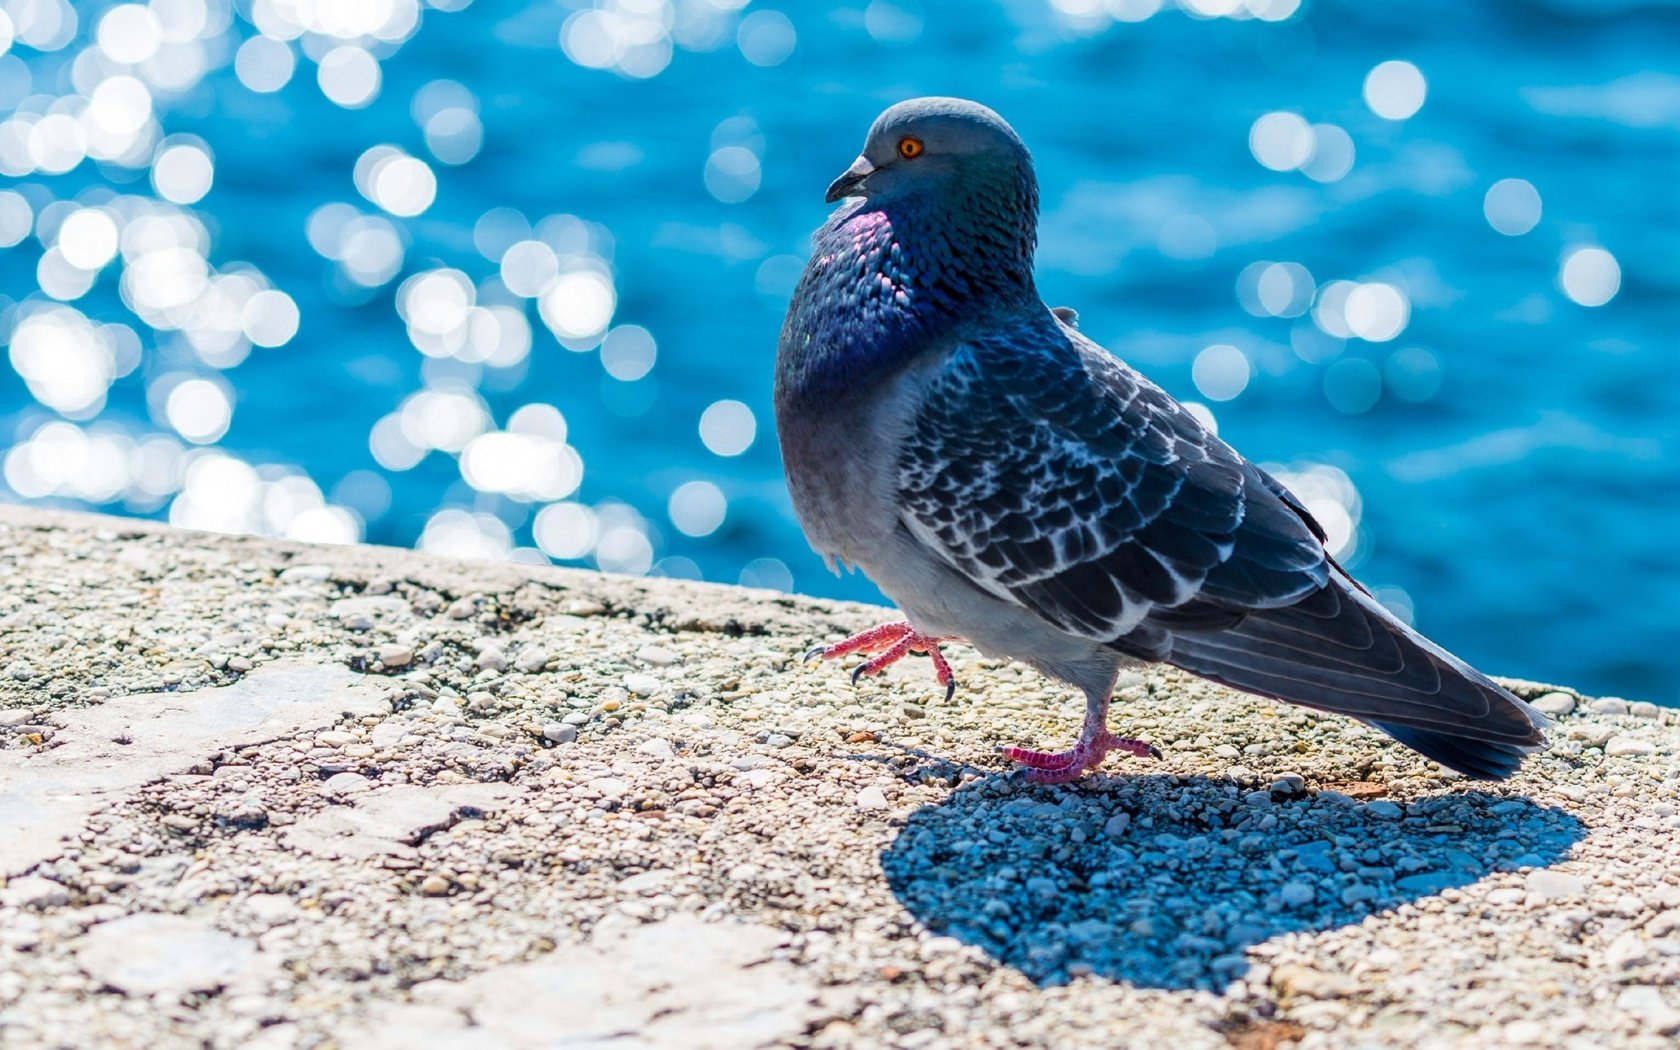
(847, 184)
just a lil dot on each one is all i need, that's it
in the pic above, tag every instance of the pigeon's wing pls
(1069, 484)
(1056, 478)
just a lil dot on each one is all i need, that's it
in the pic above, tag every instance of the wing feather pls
(1056, 478)
(1100, 500)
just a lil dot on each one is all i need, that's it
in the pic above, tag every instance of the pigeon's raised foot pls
(1061, 767)
(890, 642)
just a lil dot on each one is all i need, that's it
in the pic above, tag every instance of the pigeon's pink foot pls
(891, 642)
(1095, 742)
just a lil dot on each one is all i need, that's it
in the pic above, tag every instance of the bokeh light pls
(1590, 276)
(1221, 372)
(727, 428)
(1512, 206)
(1395, 90)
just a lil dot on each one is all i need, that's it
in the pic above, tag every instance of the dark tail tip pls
(1476, 759)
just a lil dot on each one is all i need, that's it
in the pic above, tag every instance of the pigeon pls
(1009, 483)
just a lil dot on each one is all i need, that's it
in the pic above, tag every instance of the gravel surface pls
(265, 795)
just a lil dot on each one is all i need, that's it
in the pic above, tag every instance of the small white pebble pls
(658, 747)
(1628, 747)
(559, 733)
(396, 655)
(388, 735)
(609, 787)
(1296, 893)
(1546, 885)
(872, 798)
(657, 655)
(1647, 1004)
(1358, 893)
(531, 661)
(345, 784)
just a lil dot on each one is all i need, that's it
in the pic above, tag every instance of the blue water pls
(1508, 463)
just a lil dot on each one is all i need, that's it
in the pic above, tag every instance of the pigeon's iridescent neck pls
(888, 282)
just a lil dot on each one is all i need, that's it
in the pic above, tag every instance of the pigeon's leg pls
(1095, 742)
(892, 641)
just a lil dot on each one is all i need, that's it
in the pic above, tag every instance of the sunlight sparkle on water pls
(1512, 206)
(88, 238)
(732, 174)
(1275, 289)
(766, 38)
(1376, 311)
(526, 467)
(628, 352)
(1221, 372)
(1395, 90)
(1281, 141)
(349, 76)
(1590, 276)
(1332, 154)
(697, 508)
(199, 410)
(264, 64)
(577, 307)
(15, 218)
(727, 428)
(67, 363)
(182, 170)
(566, 531)
(269, 318)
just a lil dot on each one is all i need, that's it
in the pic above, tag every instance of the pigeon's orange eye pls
(910, 147)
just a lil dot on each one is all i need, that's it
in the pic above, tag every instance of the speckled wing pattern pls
(1066, 482)
(1056, 478)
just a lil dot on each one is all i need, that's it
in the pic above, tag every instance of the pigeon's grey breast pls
(851, 370)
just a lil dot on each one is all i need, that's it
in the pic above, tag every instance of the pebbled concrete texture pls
(263, 794)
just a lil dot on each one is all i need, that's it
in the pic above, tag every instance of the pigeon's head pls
(940, 149)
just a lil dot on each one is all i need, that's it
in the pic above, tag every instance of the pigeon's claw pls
(1095, 742)
(890, 643)
(942, 670)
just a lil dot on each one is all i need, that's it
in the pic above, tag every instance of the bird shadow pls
(1165, 882)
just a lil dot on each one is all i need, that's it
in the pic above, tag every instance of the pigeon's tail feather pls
(1477, 759)
(1338, 650)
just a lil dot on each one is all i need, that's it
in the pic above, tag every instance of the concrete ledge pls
(260, 794)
